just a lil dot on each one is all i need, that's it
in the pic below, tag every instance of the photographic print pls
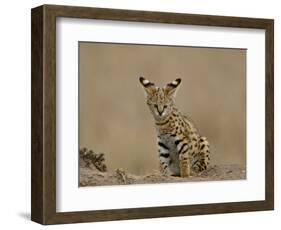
(155, 105)
(159, 113)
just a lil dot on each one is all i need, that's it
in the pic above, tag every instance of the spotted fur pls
(182, 151)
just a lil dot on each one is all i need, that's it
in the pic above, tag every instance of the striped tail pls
(201, 159)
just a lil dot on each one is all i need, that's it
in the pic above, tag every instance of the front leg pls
(165, 167)
(185, 165)
(183, 147)
(164, 157)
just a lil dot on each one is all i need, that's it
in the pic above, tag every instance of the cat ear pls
(171, 88)
(148, 86)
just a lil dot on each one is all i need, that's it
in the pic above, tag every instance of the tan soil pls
(93, 172)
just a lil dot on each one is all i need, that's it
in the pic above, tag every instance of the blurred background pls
(115, 120)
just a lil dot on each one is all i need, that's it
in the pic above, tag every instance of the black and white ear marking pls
(171, 87)
(148, 86)
(175, 83)
(146, 83)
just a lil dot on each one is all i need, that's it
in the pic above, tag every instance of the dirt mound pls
(93, 172)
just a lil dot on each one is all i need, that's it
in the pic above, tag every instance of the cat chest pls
(167, 144)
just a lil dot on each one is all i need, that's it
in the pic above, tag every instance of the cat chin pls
(160, 118)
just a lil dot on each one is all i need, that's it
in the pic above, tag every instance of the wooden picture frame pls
(43, 189)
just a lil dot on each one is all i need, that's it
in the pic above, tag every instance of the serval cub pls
(182, 150)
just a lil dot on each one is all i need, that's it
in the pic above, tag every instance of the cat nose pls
(160, 109)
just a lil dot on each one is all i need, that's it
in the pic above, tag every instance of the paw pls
(185, 174)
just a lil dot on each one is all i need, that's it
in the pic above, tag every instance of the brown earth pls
(93, 172)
